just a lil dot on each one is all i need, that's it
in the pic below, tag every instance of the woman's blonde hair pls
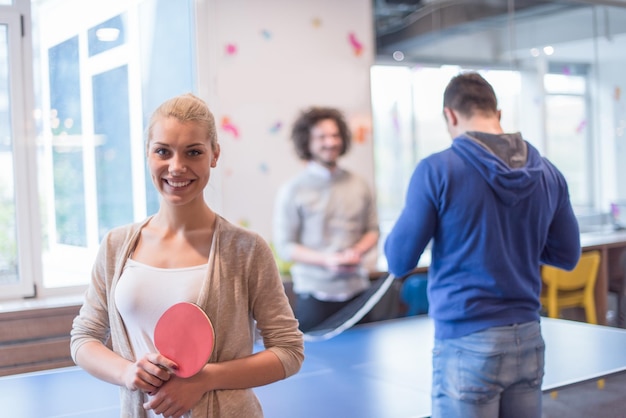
(186, 108)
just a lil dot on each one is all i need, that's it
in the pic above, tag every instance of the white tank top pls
(144, 292)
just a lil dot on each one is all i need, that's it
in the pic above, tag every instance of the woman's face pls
(180, 159)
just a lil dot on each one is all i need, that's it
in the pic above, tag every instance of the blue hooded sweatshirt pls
(495, 210)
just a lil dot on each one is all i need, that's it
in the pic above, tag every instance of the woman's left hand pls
(176, 396)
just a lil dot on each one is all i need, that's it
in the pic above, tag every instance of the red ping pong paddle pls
(185, 335)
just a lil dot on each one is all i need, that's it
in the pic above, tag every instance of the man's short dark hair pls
(468, 93)
(301, 131)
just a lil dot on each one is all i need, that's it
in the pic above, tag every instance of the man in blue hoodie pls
(495, 210)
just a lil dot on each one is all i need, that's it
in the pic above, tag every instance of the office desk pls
(377, 370)
(611, 245)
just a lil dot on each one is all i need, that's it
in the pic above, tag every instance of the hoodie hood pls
(510, 165)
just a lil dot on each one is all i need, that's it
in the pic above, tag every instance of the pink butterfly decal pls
(357, 46)
(229, 127)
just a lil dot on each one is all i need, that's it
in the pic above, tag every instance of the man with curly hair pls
(325, 220)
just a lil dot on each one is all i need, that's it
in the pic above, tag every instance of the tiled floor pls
(586, 400)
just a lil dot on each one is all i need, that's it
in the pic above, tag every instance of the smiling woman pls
(186, 253)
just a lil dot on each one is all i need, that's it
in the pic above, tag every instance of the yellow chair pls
(571, 289)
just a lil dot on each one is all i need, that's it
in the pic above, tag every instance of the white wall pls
(288, 55)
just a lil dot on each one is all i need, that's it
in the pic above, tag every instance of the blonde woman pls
(185, 253)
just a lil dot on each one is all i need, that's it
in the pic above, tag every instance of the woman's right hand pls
(148, 373)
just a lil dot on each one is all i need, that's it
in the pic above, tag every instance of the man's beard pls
(326, 162)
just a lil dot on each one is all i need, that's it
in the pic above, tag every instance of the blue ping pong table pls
(376, 370)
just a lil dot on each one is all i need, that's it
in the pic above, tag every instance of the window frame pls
(17, 19)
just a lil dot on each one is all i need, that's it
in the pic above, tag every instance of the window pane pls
(428, 87)
(564, 83)
(407, 107)
(395, 154)
(106, 35)
(166, 32)
(8, 240)
(113, 163)
(67, 143)
(567, 145)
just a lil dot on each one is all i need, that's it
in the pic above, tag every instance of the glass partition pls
(557, 70)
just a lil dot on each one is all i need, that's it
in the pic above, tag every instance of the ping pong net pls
(352, 312)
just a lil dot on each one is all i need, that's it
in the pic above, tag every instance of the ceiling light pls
(398, 56)
(107, 34)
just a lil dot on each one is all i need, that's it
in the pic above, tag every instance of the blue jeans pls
(495, 373)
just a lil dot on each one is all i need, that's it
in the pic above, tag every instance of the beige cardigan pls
(243, 286)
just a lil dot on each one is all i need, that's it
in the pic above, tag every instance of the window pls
(409, 125)
(96, 81)
(101, 75)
